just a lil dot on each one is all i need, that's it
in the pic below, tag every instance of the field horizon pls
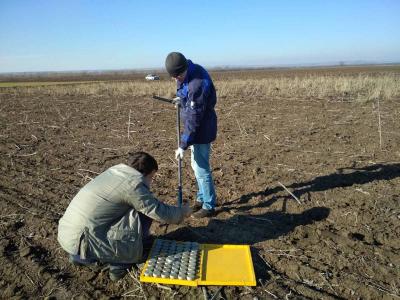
(132, 73)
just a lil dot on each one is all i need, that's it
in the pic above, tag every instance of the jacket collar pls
(188, 73)
(143, 180)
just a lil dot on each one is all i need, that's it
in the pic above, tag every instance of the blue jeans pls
(200, 159)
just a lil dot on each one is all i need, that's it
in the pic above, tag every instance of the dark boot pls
(197, 206)
(118, 271)
(204, 213)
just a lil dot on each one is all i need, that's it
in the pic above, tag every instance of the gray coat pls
(102, 220)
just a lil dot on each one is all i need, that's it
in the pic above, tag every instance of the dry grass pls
(336, 88)
(342, 88)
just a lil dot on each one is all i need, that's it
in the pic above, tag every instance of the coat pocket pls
(121, 235)
(125, 239)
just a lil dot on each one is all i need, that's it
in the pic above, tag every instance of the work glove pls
(179, 153)
(176, 101)
(187, 210)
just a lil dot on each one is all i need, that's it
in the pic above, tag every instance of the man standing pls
(198, 98)
(108, 221)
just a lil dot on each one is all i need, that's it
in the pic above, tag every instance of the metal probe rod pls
(178, 130)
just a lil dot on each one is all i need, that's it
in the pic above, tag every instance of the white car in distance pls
(152, 77)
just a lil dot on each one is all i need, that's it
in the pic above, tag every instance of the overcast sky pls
(97, 35)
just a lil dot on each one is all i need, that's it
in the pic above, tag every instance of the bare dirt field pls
(338, 156)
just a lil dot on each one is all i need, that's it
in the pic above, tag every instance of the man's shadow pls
(249, 229)
(343, 177)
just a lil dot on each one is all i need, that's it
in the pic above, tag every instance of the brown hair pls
(142, 162)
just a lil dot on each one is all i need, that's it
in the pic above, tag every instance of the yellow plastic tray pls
(219, 265)
(226, 265)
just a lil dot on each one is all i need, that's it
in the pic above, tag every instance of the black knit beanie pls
(176, 64)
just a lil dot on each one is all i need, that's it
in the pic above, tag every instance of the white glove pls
(179, 153)
(176, 101)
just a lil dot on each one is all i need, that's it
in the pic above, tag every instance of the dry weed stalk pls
(379, 124)
(297, 199)
(138, 286)
(89, 171)
(265, 289)
(129, 123)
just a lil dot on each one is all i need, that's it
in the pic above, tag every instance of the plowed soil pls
(340, 242)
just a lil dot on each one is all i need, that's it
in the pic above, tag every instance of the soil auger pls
(177, 103)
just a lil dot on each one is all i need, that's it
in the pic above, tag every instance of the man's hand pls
(179, 153)
(187, 210)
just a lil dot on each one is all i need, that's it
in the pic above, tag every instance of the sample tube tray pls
(193, 264)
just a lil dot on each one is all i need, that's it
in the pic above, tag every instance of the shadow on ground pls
(249, 229)
(343, 177)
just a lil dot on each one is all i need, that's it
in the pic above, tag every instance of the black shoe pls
(118, 272)
(197, 205)
(204, 213)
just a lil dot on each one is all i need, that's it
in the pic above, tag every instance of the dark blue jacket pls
(198, 96)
